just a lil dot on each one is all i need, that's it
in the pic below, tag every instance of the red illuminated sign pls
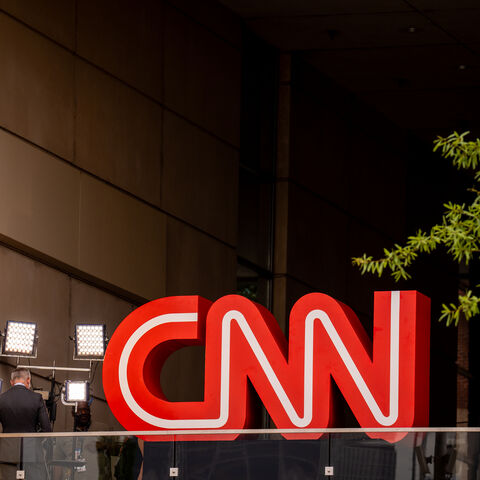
(384, 381)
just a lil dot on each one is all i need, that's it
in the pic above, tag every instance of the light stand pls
(20, 339)
(50, 402)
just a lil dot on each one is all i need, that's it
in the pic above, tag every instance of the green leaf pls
(458, 231)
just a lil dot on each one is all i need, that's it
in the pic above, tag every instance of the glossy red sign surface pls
(384, 381)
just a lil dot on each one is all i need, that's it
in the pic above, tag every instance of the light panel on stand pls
(20, 339)
(90, 341)
(76, 391)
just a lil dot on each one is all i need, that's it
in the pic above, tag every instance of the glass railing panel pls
(418, 456)
(158, 457)
(354, 455)
(92, 457)
(252, 457)
(68, 457)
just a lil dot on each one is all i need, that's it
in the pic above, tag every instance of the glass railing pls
(347, 454)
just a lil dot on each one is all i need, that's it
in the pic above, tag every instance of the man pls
(22, 411)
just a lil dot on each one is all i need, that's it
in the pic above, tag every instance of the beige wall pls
(119, 151)
(32, 291)
(108, 132)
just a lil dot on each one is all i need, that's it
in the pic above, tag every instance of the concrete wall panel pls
(51, 207)
(32, 292)
(118, 134)
(200, 179)
(36, 88)
(121, 240)
(38, 199)
(198, 264)
(202, 77)
(54, 18)
(124, 38)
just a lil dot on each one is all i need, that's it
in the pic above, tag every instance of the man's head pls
(20, 375)
(81, 416)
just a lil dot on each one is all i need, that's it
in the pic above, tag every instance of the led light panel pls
(76, 391)
(20, 339)
(89, 341)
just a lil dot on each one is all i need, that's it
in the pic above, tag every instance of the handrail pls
(260, 431)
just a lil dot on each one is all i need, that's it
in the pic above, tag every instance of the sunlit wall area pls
(119, 153)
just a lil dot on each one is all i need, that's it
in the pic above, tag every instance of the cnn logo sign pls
(384, 380)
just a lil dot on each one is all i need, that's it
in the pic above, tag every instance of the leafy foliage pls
(458, 232)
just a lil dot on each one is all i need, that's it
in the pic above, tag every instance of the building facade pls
(163, 148)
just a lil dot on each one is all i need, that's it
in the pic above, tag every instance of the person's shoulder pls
(24, 392)
(8, 393)
(33, 394)
(9, 396)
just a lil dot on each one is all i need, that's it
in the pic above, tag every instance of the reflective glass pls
(352, 455)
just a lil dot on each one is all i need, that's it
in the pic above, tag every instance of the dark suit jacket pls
(22, 411)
